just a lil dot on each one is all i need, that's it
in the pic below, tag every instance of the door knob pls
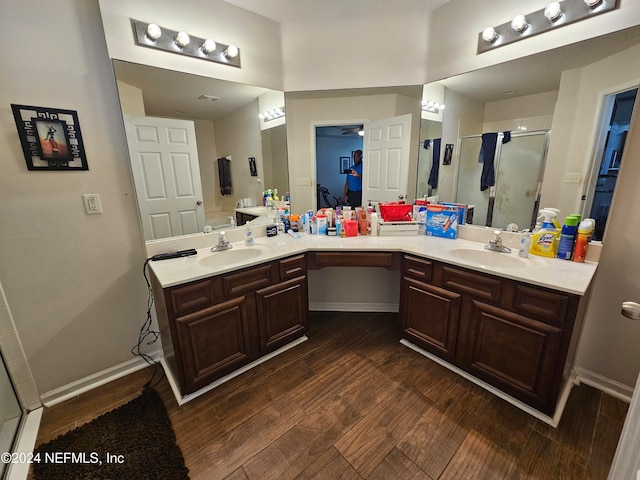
(199, 202)
(631, 310)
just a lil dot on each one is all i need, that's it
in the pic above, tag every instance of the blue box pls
(442, 221)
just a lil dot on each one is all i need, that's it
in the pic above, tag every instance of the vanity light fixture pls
(272, 114)
(208, 46)
(182, 39)
(432, 107)
(519, 23)
(152, 35)
(489, 34)
(553, 11)
(231, 52)
(553, 16)
(154, 32)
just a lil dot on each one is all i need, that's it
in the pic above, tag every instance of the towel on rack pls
(506, 136)
(224, 172)
(487, 153)
(435, 164)
(426, 144)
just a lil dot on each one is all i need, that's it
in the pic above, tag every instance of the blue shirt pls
(355, 183)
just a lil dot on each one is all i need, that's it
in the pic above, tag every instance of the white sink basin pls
(229, 257)
(488, 258)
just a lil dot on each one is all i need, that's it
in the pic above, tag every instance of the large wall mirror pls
(549, 102)
(179, 126)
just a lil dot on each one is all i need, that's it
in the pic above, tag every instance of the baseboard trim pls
(103, 377)
(605, 384)
(353, 307)
(553, 421)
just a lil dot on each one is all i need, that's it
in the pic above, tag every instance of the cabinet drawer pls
(475, 284)
(541, 304)
(293, 267)
(355, 259)
(248, 280)
(418, 268)
(192, 297)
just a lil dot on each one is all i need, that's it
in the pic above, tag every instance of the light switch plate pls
(92, 203)
(572, 178)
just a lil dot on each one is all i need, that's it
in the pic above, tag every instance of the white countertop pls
(566, 276)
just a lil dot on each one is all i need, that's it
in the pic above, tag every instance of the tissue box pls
(442, 221)
(397, 228)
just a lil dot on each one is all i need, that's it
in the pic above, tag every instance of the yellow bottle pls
(544, 242)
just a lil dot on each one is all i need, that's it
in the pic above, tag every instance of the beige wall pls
(73, 281)
(238, 135)
(454, 29)
(257, 37)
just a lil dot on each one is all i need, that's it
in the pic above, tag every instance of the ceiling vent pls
(212, 98)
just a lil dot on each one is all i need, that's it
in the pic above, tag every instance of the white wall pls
(74, 282)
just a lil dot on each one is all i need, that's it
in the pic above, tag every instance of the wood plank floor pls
(353, 403)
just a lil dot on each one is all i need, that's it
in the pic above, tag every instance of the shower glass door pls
(468, 186)
(10, 413)
(518, 178)
(519, 165)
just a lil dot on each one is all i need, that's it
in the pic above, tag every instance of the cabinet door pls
(515, 353)
(213, 342)
(429, 317)
(282, 313)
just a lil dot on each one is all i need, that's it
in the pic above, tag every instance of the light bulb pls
(208, 46)
(553, 11)
(231, 51)
(489, 35)
(182, 39)
(153, 32)
(519, 23)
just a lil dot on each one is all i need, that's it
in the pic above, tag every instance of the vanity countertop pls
(566, 276)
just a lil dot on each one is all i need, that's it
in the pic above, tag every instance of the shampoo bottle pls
(585, 231)
(544, 242)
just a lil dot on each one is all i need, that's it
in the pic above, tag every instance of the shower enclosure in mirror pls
(518, 165)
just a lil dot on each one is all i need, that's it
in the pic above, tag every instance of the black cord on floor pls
(147, 335)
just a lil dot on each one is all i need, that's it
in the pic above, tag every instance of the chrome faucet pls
(495, 244)
(223, 243)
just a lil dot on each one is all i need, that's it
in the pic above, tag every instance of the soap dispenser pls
(248, 239)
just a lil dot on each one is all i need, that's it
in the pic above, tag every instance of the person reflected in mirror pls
(353, 182)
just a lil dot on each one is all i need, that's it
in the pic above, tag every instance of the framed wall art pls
(50, 138)
(345, 164)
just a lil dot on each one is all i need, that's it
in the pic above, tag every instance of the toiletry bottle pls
(248, 239)
(544, 242)
(567, 238)
(374, 224)
(525, 244)
(582, 240)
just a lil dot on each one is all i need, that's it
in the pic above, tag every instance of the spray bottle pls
(544, 242)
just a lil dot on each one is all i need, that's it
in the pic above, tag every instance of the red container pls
(351, 228)
(395, 212)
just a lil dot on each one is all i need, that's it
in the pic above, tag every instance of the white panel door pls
(166, 173)
(385, 171)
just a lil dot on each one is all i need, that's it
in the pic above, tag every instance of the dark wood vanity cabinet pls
(242, 218)
(214, 326)
(511, 335)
